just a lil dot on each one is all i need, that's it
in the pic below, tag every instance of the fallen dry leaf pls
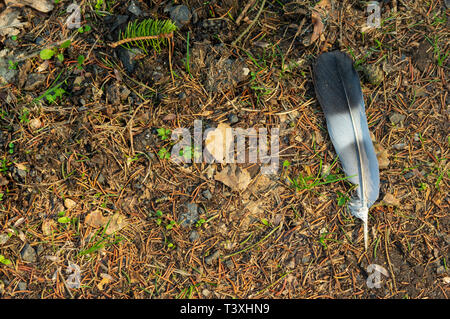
(381, 153)
(96, 219)
(319, 12)
(389, 199)
(47, 226)
(69, 203)
(117, 222)
(234, 177)
(114, 223)
(3, 181)
(219, 141)
(106, 279)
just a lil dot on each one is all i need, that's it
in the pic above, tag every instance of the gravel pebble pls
(180, 15)
(190, 216)
(211, 258)
(4, 238)
(207, 194)
(397, 118)
(134, 9)
(28, 254)
(194, 236)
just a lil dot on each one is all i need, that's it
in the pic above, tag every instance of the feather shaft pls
(338, 90)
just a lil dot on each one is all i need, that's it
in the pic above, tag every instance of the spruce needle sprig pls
(146, 33)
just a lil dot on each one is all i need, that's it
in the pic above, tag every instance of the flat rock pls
(9, 22)
(194, 235)
(39, 5)
(34, 80)
(28, 254)
(134, 9)
(180, 15)
(189, 216)
(397, 118)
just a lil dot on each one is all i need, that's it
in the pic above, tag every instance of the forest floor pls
(92, 206)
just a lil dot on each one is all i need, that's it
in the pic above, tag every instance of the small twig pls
(149, 37)
(300, 27)
(251, 24)
(244, 11)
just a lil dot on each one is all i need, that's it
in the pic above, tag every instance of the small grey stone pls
(416, 137)
(34, 80)
(397, 118)
(206, 293)
(440, 270)
(101, 178)
(134, 9)
(7, 75)
(4, 238)
(373, 73)
(182, 96)
(28, 254)
(207, 194)
(180, 15)
(211, 258)
(233, 118)
(399, 146)
(306, 259)
(127, 56)
(39, 40)
(409, 175)
(194, 236)
(39, 249)
(22, 286)
(21, 173)
(190, 216)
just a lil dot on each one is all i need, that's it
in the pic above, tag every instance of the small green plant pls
(171, 224)
(84, 29)
(164, 133)
(159, 215)
(4, 261)
(98, 5)
(189, 153)
(4, 165)
(99, 241)
(10, 147)
(200, 222)
(47, 54)
(323, 239)
(265, 222)
(423, 187)
(342, 199)
(310, 182)
(440, 56)
(64, 220)
(24, 116)
(164, 153)
(57, 93)
(80, 61)
(12, 65)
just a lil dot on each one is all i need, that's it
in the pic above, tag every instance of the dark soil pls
(179, 232)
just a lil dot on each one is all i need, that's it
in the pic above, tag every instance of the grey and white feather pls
(338, 90)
